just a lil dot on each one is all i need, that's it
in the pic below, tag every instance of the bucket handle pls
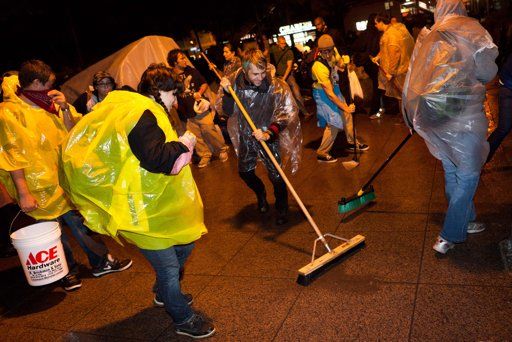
(18, 214)
(12, 222)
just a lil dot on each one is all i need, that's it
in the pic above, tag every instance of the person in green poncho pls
(128, 173)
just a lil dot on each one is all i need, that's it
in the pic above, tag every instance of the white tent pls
(126, 65)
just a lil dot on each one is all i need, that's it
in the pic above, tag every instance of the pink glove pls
(189, 140)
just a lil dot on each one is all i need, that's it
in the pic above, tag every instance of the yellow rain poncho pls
(29, 140)
(115, 195)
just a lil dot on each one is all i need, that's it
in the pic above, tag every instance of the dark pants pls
(504, 121)
(373, 72)
(256, 185)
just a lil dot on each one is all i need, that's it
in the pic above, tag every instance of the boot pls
(262, 202)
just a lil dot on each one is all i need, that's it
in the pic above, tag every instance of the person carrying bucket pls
(128, 173)
(34, 120)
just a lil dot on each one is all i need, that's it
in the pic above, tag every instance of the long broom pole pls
(271, 156)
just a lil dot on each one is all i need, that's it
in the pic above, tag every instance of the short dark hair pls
(229, 46)
(32, 70)
(172, 56)
(383, 18)
(100, 75)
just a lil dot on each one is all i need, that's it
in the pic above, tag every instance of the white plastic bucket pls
(41, 253)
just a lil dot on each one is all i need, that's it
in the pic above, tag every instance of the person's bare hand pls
(28, 203)
(260, 135)
(58, 97)
(351, 108)
(224, 83)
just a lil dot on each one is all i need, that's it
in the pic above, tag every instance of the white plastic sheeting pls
(125, 65)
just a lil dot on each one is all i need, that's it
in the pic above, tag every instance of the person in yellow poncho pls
(34, 120)
(128, 173)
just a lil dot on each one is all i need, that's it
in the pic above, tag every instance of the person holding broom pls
(273, 110)
(443, 101)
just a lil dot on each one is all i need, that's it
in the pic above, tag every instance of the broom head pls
(359, 200)
(320, 265)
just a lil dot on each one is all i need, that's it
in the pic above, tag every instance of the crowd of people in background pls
(175, 117)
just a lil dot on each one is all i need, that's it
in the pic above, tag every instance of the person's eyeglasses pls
(106, 84)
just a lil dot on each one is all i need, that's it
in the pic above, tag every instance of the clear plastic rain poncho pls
(272, 102)
(114, 193)
(396, 46)
(29, 139)
(445, 86)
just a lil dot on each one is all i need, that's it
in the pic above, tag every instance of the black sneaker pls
(111, 266)
(360, 147)
(326, 159)
(160, 303)
(197, 326)
(71, 282)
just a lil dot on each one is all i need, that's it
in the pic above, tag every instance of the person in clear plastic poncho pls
(128, 173)
(443, 102)
(272, 108)
(34, 121)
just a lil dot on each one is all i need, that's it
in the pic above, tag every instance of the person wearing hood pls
(443, 102)
(34, 120)
(273, 110)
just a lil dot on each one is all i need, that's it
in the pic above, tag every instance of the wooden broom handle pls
(271, 156)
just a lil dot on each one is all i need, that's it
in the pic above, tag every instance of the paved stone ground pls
(243, 272)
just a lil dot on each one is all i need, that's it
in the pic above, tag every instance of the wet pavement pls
(242, 273)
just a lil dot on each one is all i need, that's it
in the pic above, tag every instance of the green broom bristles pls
(359, 200)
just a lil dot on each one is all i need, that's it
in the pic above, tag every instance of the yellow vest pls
(114, 193)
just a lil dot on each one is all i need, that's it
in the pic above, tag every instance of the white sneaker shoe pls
(377, 115)
(442, 246)
(475, 227)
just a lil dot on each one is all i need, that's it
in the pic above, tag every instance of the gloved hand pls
(189, 140)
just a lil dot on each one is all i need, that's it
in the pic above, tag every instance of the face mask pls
(40, 98)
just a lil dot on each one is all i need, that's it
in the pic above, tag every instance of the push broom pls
(319, 265)
(352, 164)
(367, 194)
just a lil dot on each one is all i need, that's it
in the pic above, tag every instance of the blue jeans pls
(460, 188)
(167, 264)
(95, 251)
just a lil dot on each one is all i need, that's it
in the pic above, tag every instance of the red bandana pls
(40, 98)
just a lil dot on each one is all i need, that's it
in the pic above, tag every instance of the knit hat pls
(325, 42)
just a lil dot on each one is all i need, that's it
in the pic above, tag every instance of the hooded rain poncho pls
(272, 102)
(445, 86)
(29, 139)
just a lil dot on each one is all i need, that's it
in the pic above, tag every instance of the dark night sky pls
(75, 34)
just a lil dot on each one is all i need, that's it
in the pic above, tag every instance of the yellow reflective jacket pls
(29, 140)
(114, 193)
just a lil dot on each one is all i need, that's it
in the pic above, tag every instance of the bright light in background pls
(361, 25)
